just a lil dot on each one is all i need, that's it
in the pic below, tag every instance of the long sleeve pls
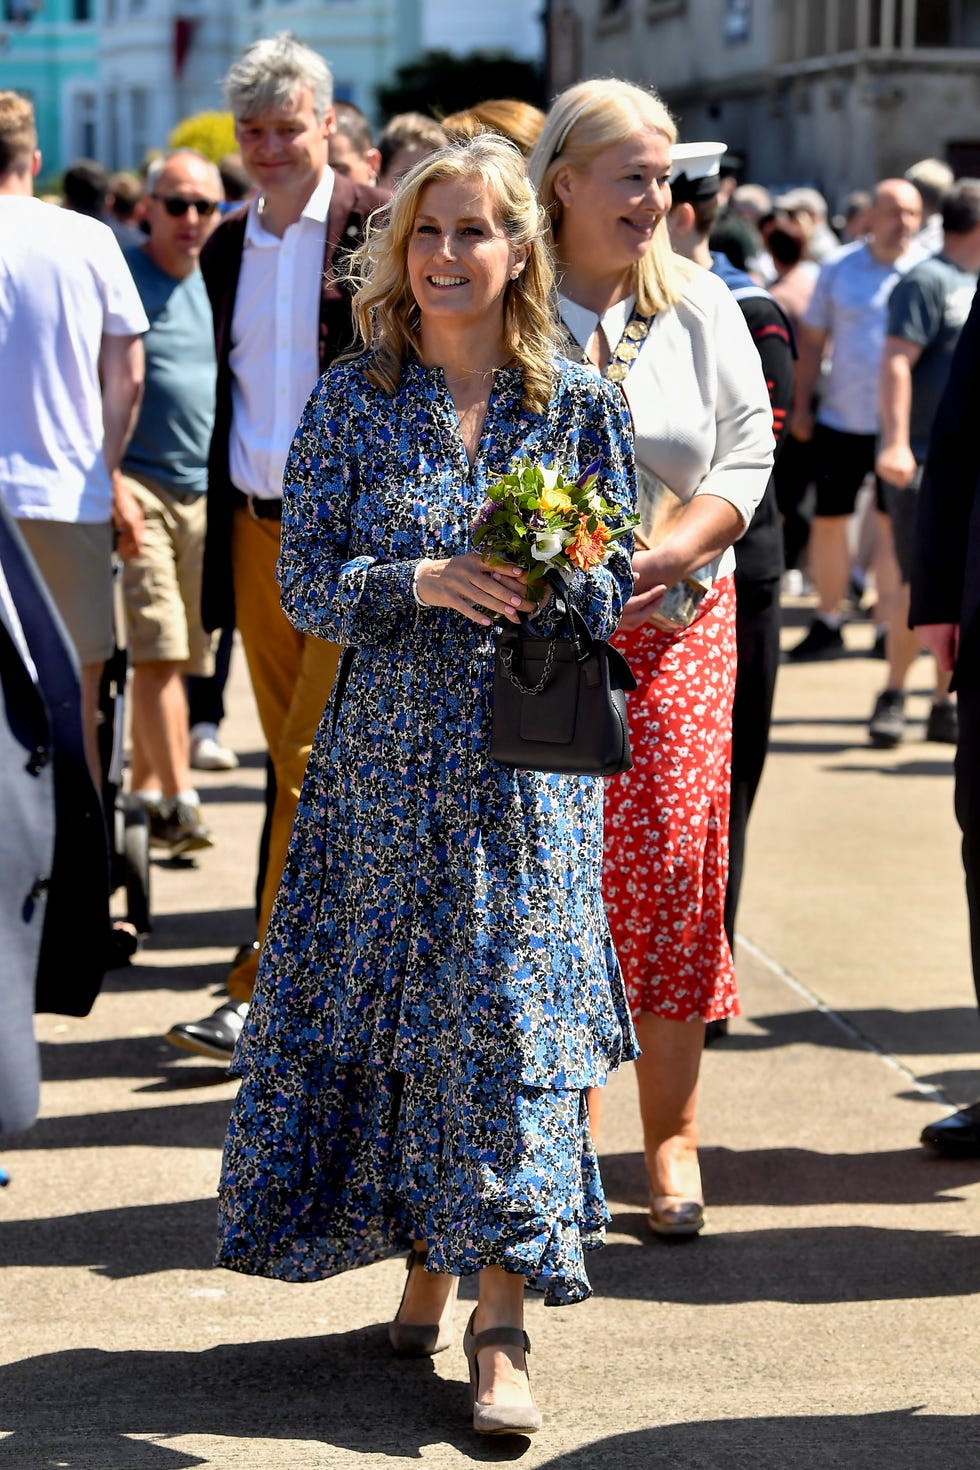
(356, 600)
(600, 430)
(744, 446)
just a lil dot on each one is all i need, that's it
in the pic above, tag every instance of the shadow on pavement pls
(908, 1033)
(904, 1439)
(807, 1266)
(178, 1125)
(814, 1264)
(123, 1056)
(799, 1177)
(77, 1408)
(940, 766)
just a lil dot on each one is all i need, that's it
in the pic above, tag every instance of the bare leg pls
(667, 1077)
(160, 727)
(594, 1098)
(91, 677)
(829, 567)
(429, 1295)
(503, 1371)
(888, 578)
(901, 644)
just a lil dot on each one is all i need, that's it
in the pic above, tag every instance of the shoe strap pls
(501, 1337)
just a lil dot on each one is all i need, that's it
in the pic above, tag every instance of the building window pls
(947, 23)
(82, 10)
(816, 28)
(84, 113)
(139, 118)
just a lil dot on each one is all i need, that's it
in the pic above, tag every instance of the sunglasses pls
(177, 207)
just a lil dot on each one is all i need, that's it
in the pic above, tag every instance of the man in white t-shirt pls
(70, 327)
(847, 312)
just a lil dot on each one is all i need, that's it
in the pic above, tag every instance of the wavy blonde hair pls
(584, 121)
(387, 313)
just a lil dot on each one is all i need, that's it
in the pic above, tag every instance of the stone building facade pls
(833, 93)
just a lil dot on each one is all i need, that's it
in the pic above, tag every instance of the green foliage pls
(440, 83)
(537, 519)
(211, 133)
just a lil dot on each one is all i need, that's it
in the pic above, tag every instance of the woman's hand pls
(639, 607)
(468, 584)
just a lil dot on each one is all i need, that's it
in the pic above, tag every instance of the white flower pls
(547, 544)
(549, 477)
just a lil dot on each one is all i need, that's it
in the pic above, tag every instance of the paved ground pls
(827, 1318)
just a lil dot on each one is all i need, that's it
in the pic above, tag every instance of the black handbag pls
(559, 704)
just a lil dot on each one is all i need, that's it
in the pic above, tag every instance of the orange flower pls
(587, 548)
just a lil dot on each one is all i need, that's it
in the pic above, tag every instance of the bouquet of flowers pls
(540, 521)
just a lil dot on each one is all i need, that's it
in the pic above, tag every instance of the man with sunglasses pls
(165, 469)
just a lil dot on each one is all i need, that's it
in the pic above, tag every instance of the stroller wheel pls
(136, 867)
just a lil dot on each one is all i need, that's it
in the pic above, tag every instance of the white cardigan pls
(702, 418)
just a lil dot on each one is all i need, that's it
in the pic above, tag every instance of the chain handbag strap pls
(626, 351)
(507, 660)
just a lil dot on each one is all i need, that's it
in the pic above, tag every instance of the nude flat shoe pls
(498, 1418)
(418, 1339)
(671, 1214)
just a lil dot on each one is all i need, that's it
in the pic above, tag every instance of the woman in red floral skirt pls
(673, 337)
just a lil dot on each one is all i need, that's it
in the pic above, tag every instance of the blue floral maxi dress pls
(438, 984)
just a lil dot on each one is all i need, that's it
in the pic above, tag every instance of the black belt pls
(261, 507)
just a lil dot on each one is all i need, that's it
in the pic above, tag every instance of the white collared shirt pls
(274, 356)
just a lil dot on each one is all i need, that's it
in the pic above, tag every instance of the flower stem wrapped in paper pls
(540, 521)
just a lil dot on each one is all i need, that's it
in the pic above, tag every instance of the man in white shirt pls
(847, 311)
(70, 327)
(281, 315)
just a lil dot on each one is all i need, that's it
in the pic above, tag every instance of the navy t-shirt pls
(170, 442)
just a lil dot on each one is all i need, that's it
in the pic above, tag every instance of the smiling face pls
(284, 149)
(611, 208)
(460, 258)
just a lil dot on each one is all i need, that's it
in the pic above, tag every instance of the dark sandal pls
(415, 1339)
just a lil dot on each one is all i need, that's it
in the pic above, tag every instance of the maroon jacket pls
(221, 261)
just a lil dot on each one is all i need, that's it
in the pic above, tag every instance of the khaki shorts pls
(75, 560)
(162, 586)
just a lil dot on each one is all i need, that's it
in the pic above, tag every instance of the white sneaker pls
(207, 754)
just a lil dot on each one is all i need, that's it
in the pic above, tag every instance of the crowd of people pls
(275, 393)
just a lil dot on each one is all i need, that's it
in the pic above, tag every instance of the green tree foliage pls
(211, 133)
(440, 83)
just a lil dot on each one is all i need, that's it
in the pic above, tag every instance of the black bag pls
(559, 704)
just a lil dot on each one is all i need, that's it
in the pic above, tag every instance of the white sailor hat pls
(695, 171)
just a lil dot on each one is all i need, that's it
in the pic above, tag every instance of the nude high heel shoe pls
(418, 1339)
(498, 1418)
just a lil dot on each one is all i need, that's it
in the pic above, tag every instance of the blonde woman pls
(674, 340)
(438, 987)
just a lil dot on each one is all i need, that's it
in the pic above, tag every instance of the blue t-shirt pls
(170, 442)
(850, 301)
(928, 307)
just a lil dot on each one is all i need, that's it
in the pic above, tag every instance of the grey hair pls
(158, 166)
(270, 73)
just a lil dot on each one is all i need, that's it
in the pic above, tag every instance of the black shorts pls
(903, 508)
(842, 463)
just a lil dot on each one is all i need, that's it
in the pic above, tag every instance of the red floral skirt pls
(666, 820)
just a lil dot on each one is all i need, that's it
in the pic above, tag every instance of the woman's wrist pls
(420, 567)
